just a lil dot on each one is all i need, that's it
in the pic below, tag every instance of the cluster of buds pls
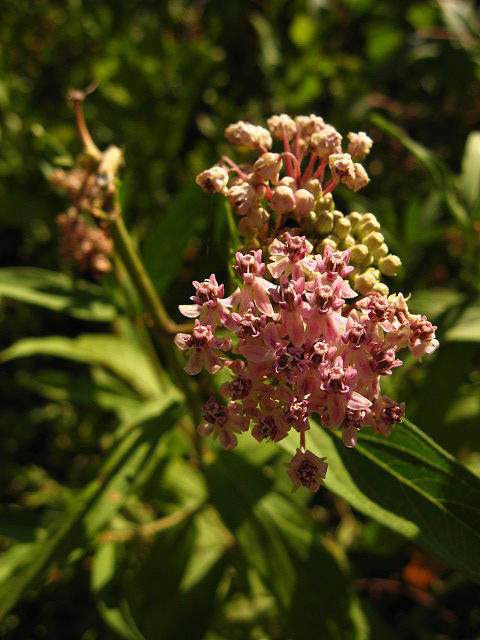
(90, 187)
(276, 188)
(298, 340)
(88, 246)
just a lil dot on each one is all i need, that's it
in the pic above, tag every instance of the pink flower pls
(386, 412)
(334, 262)
(223, 421)
(255, 289)
(269, 427)
(288, 296)
(307, 470)
(421, 337)
(289, 257)
(209, 303)
(202, 348)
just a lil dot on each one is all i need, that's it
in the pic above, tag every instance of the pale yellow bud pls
(328, 241)
(389, 265)
(381, 288)
(342, 227)
(367, 227)
(373, 240)
(364, 282)
(288, 181)
(359, 254)
(348, 242)
(380, 252)
(354, 218)
(324, 222)
(313, 185)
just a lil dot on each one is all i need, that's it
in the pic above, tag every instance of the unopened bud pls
(373, 240)
(381, 288)
(359, 254)
(268, 166)
(380, 252)
(389, 265)
(324, 222)
(283, 200)
(288, 181)
(367, 227)
(282, 125)
(328, 241)
(354, 218)
(364, 282)
(304, 201)
(342, 227)
(348, 242)
(359, 145)
(313, 185)
(361, 178)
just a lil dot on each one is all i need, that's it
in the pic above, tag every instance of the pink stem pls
(321, 170)
(289, 156)
(302, 441)
(297, 140)
(262, 148)
(286, 146)
(309, 169)
(232, 164)
(330, 186)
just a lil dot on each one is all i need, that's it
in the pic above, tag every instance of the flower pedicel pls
(313, 327)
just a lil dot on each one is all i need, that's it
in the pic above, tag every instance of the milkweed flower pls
(311, 330)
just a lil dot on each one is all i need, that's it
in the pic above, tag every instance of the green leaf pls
(183, 219)
(58, 292)
(411, 485)
(98, 502)
(429, 161)
(434, 302)
(467, 326)
(470, 178)
(117, 354)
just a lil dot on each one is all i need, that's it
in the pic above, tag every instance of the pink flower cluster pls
(301, 342)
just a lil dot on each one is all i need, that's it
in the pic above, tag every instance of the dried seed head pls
(213, 180)
(359, 145)
(342, 168)
(282, 125)
(325, 141)
(268, 167)
(245, 134)
(361, 178)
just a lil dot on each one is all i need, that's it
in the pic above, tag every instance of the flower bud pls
(359, 145)
(326, 141)
(354, 218)
(381, 288)
(303, 202)
(366, 227)
(281, 124)
(361, 178)
(337, 215)
(342, 169)
(268, 166)
(288, 181)
(328, 241)
(373, 240)
(364, 282)
(342, 227)
(380, 252)
(213, 180)
(389, 265)
(283, 200)
(358, 254)
(348, 242)
(313, 185)
(325, 222)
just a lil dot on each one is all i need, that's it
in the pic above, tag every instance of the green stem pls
(162, 326)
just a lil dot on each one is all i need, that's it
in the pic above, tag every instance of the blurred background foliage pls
(172, 75)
